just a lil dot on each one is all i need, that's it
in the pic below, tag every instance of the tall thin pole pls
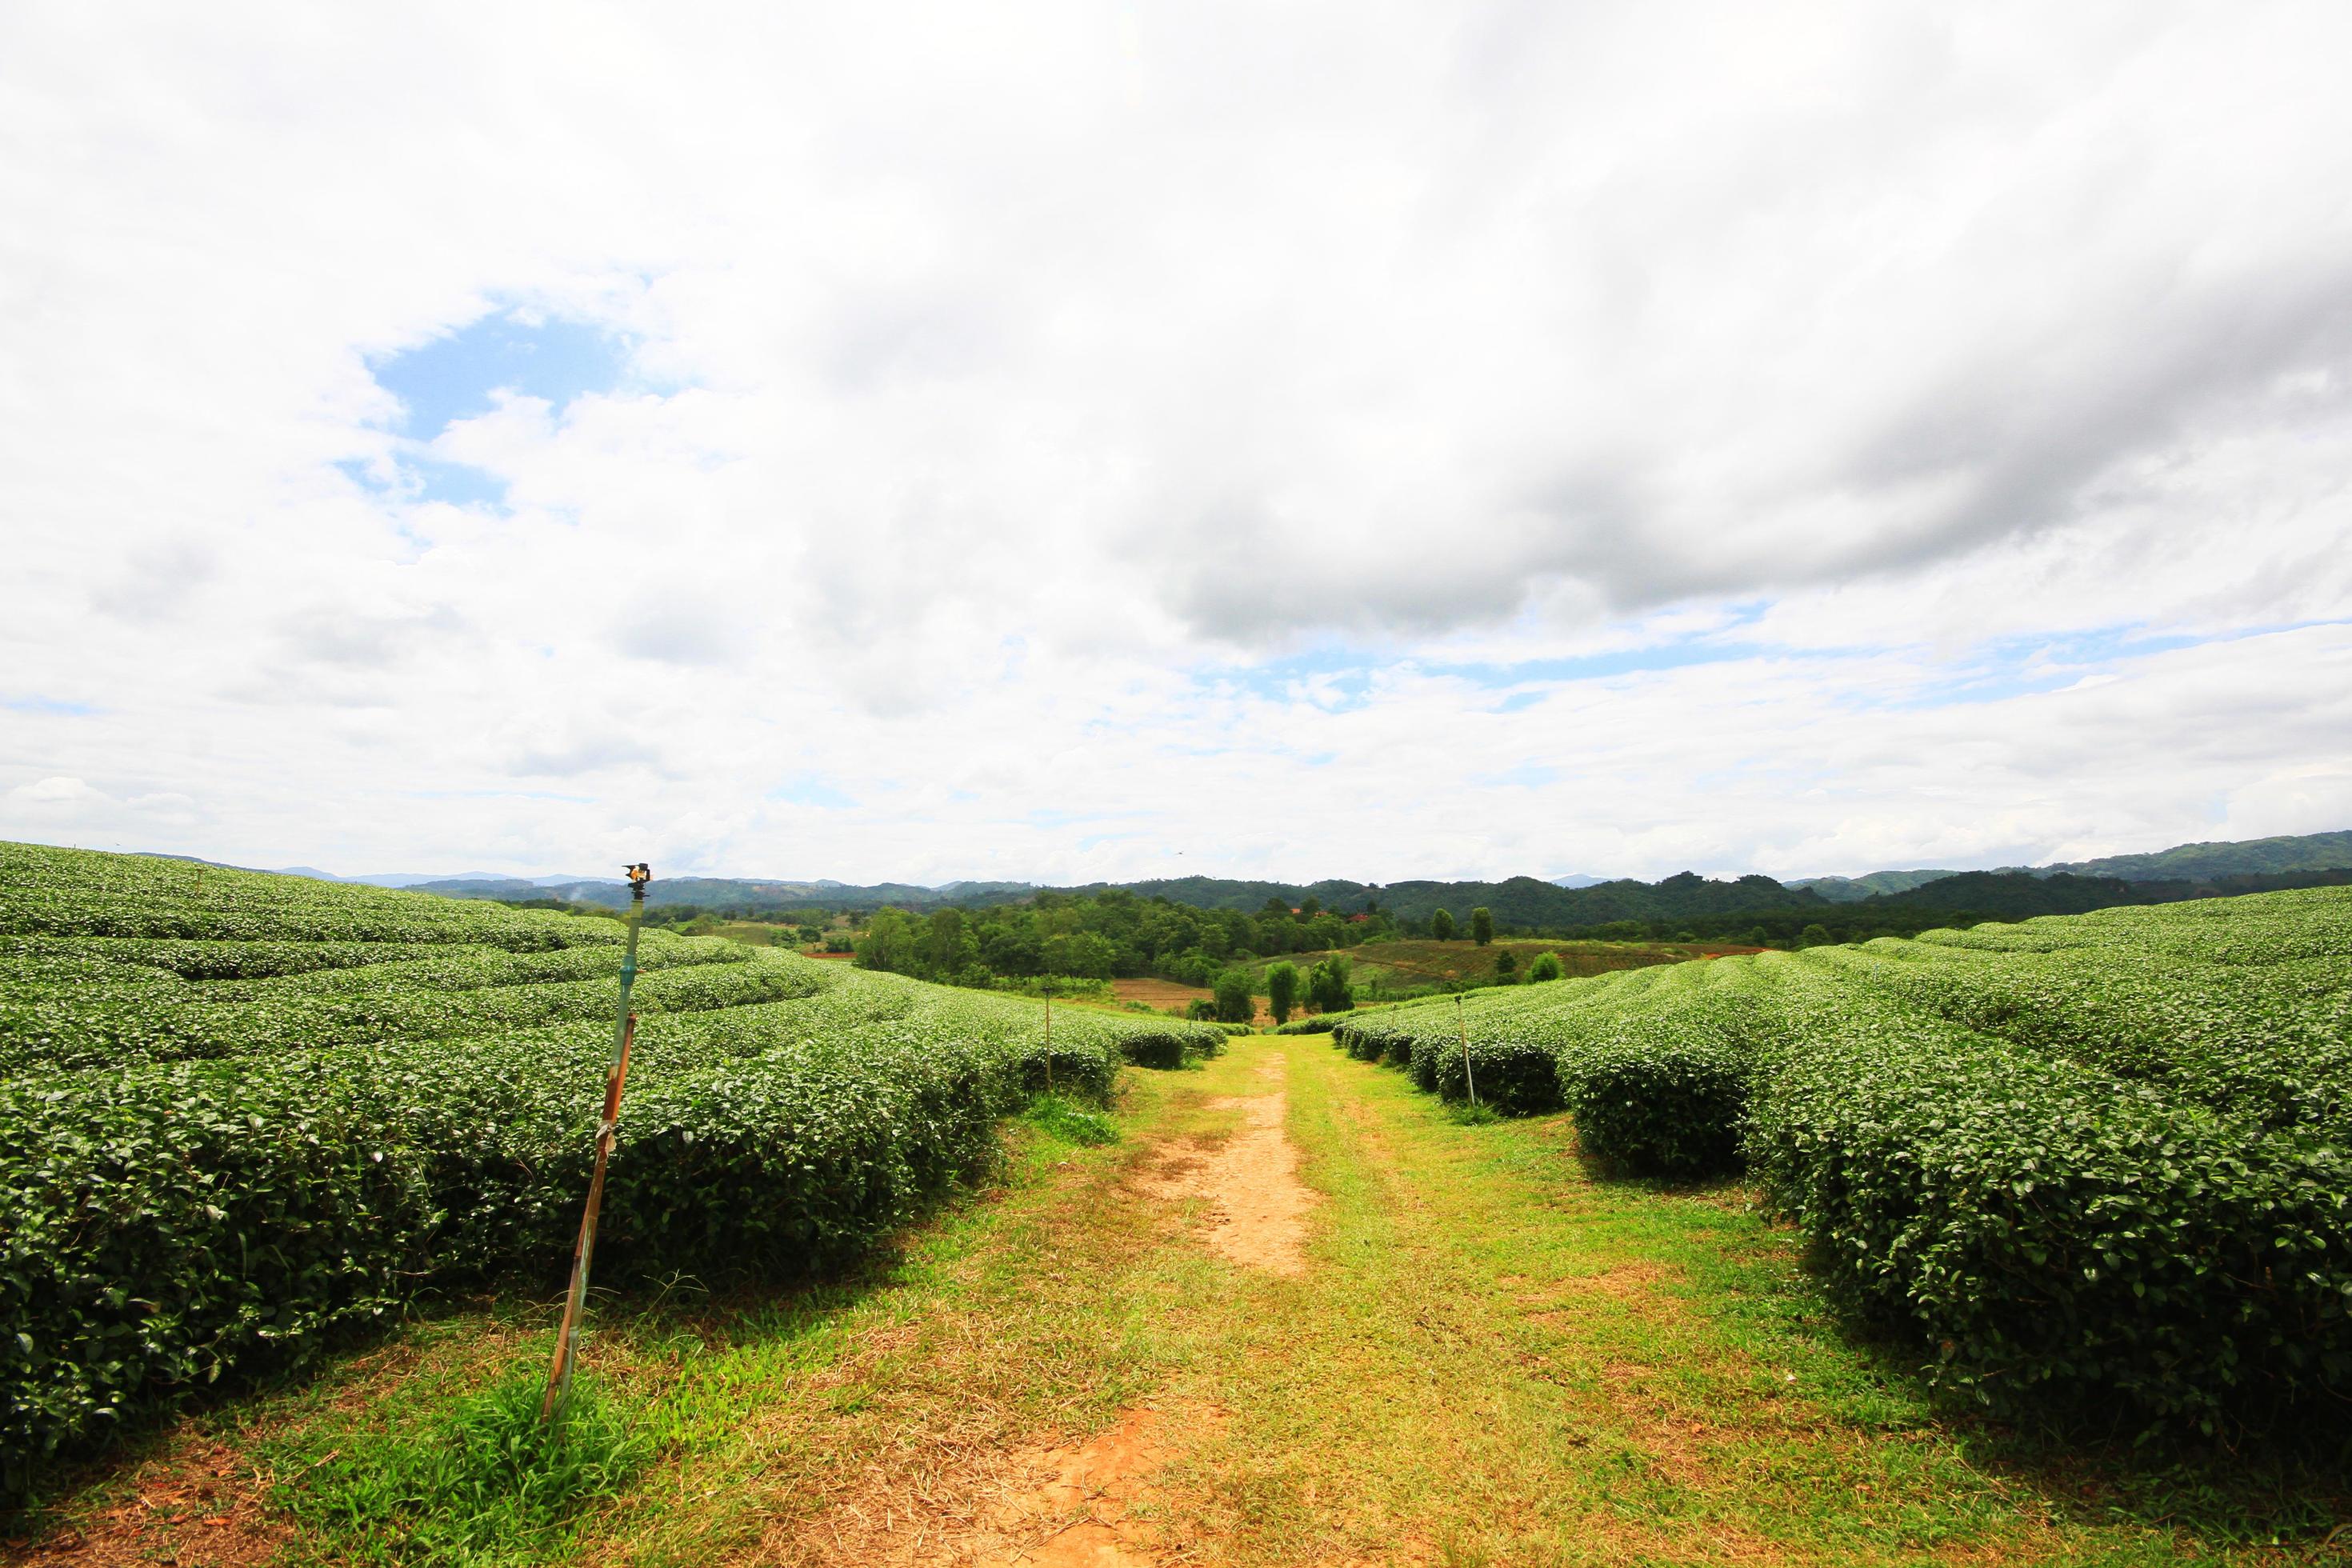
(1049, 1042)
(1465, 1028)
(616, 1073)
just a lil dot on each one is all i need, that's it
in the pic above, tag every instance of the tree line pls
(1104, 936)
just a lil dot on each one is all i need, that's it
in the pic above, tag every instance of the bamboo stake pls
(583, 1250)
(1465, 1028)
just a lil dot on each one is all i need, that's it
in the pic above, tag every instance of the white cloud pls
(1013, 394)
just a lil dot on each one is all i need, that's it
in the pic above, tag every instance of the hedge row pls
(84, 1023)
(167, 1222)
(2065, 1240)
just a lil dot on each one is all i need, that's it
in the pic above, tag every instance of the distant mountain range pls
(1560, 903)
(2250, 857)
(1854, 889)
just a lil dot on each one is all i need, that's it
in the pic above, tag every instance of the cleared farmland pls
(2091, 1165)
(250, 1114)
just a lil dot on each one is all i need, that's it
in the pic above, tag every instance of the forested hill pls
(1521, 903)
(2204, 862)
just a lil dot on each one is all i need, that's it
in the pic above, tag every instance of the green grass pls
(477, 1478)
(1491, 1358)
(1069, 1123)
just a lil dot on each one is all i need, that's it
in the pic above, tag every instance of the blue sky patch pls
(461, 375)
(457, 376)
(54, 707)
(2004, 667)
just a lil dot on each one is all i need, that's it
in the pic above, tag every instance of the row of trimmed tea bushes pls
(472, 967)
(163, 1224)
(1659, 1079)
(90, 1023)
(80, 892)
(2064, 1238)
(524, 931)
(2270, 1042)
(1514, 1037)
(105, 958)
(2299, 923)
(243, 969)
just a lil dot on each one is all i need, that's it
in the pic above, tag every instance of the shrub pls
(1172, 1047)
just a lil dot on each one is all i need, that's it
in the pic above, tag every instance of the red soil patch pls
(200, 1505)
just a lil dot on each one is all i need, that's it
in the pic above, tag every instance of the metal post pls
(1049, 1042)
(1464, 1028)
(616, 1072)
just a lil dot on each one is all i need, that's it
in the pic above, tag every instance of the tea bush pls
(208, 1177)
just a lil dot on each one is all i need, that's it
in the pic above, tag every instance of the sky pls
(1056, 442)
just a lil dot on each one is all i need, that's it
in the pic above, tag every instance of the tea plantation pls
(2096, 1167)
(248, 1114)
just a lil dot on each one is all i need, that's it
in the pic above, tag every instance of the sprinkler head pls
(639, 874)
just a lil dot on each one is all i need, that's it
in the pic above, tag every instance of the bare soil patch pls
(1160, 994)
(200, 1504)
(1081, 1515)
(1250, 1181)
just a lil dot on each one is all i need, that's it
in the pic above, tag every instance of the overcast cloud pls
(1122, 439)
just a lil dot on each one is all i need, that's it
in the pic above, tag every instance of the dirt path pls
(1257, 1205)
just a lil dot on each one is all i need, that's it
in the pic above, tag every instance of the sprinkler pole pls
(616, 1073)
(1465, 1028)
(1049, 1042)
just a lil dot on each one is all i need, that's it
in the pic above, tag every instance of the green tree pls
(1482, 925)
(946, 945)
(1547, 966)
(1330, 985)
(1234, 1003)
(893, 942)
(1814, 935)
(1507, 967)
(1441, 926)
(1281, 991)
(1083, 953)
